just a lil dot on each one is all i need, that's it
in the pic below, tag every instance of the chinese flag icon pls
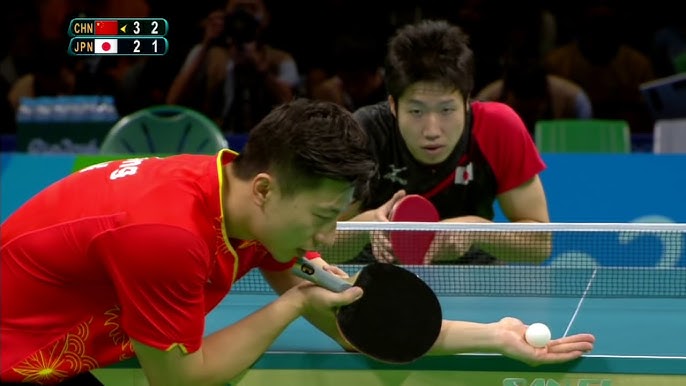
(106, 27)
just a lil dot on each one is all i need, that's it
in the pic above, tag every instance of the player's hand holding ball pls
(513, 343)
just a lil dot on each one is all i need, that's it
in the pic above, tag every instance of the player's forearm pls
(462, 219)
(516, 247)
(326, 323)
(348, 243)
(226, 353)
(462, 337)
(512, 247)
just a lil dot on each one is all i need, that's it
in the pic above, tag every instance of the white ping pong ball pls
(537, 335)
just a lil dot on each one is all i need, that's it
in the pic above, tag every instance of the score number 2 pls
(137, 47)
(144, 45)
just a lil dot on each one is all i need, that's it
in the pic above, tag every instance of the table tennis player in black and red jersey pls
(463, 155)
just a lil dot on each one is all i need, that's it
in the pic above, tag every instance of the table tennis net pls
(507, 259)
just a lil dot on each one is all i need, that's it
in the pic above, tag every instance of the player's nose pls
(432, 126)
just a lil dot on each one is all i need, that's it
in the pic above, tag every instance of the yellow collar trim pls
(222, 184)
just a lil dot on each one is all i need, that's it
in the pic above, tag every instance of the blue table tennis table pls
(640, 341)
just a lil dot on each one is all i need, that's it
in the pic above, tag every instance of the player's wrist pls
(506, 334)
(492, 338)
(294, 300)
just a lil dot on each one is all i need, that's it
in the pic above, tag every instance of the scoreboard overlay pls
(118, 36)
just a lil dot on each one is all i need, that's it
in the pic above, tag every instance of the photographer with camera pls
(233, 76)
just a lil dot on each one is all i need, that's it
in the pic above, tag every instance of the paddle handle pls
(314, 273)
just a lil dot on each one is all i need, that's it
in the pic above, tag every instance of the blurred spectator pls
(54, 74)
(607, 68)
(233, 75)
(535, 95)
(35, 28)
(311, 36)
(495, 26)
(528, 25)
(358, 79)
(7, 111)
(34, 24)
(482, 21)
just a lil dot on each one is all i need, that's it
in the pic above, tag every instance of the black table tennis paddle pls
(398, 318)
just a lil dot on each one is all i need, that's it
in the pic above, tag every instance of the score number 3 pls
(154, 27)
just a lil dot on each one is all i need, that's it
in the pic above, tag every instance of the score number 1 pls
(118, 46)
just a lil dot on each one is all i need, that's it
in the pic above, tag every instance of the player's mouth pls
(433, 149)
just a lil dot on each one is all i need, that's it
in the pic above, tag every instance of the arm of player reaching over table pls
(228, 352)
(525, 203)
(507, 338)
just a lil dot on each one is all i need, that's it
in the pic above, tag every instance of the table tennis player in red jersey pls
(129, 257)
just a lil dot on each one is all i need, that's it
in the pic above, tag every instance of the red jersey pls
(124, 249)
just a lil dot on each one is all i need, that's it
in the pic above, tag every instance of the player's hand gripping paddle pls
(398, 318)
(410, 247)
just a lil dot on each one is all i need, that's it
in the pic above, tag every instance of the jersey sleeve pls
(506, 144)
(159, 273)
(311, 255)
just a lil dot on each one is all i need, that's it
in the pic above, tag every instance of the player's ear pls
(263, 185)
(393, 106)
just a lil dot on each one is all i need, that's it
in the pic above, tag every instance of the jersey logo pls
(394, 177)
(464, 174)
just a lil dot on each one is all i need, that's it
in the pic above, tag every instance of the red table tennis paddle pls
(398, 318)
(410, 247)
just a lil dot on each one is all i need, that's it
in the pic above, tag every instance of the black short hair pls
(303, 142)
(429, 51)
